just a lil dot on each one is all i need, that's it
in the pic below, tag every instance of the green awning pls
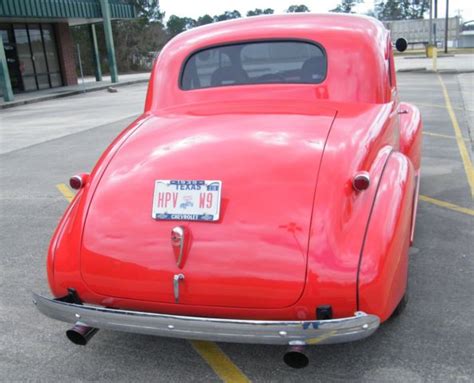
(64, 9)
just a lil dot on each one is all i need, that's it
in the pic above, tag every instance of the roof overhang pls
(74, 12)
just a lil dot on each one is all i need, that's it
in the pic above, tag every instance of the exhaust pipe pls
(295, 357)
(81, 334)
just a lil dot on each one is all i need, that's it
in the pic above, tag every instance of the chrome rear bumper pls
(349, 329)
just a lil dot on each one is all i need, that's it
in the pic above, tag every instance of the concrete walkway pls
(31, 124)
(463, 63)
(89, 85)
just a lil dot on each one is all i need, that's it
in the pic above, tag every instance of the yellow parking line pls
(468, 168)
(442, 135)
(447, 205)
(219, 362)
(441, 106)
(65, 191)
(210, 352)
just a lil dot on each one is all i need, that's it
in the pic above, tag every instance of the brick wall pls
(66, 53)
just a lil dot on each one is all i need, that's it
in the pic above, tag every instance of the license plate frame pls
(187, 200)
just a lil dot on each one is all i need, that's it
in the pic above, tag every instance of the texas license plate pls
(188, 200)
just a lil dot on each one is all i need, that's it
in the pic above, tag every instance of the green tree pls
(148, 10)
(345, 6)
(389, 10)
(401, 9)
(203, 20)
(415, 9)
(297, 8)
(135, 42)
(176, 24)
(228, 15)
(258, 11)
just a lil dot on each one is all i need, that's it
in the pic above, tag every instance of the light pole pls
(435, 19)
(446, 25)
(430, 39)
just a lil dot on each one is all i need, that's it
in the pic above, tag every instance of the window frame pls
(247, 41)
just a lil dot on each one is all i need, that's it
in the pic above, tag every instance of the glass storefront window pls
(50, 48)
(35, 57)
(43, 81)
(37, 50)
(29, 83)
(56, 80)
(24, 56)
(11, 56)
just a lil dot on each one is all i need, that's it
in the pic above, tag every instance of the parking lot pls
(432, 341)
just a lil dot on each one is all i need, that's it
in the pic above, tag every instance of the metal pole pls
(95, 46)
(80, 67)
(446, 25)
(430, 39)
(434, 25)
(109, 39)
(5, 76)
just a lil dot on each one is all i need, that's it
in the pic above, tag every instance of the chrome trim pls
(177, 240)
(310, 332)
(176, 279)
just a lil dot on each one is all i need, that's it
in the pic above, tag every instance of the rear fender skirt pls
(411, 133)
(383, 266)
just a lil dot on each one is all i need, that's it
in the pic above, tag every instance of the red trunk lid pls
(255, 255)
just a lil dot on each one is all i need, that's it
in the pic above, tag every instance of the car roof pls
(311, 22)
(356, 47)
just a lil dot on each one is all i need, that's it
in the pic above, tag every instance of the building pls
(417, 32)
(466, 37)
(36, 47)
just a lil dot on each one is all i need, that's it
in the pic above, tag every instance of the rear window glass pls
(255, 63)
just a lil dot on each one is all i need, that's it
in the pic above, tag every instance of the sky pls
(196, 8)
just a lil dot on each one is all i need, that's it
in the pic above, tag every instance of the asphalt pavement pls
(433, 340)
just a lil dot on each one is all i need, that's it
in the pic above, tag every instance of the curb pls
(13, 104)
(431, 71)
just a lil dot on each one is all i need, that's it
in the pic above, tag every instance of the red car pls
(267, 194)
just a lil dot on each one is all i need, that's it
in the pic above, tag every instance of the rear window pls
(255, 63)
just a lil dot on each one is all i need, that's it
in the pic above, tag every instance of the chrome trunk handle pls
(176, 279)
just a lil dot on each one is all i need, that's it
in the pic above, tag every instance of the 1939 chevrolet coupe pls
(267, 194)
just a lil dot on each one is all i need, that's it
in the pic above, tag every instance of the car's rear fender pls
(383, 267)
(63, 254)
(411, 128)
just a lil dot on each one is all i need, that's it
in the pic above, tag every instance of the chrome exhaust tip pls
(81, 334)
(295, 357)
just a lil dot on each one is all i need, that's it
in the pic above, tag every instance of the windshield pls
(260, 62)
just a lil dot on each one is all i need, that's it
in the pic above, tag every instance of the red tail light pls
(78, 181)
(361, 181)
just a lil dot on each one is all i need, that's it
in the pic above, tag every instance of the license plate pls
(187, 200)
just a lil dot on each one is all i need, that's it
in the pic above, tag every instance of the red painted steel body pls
(293, 233)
